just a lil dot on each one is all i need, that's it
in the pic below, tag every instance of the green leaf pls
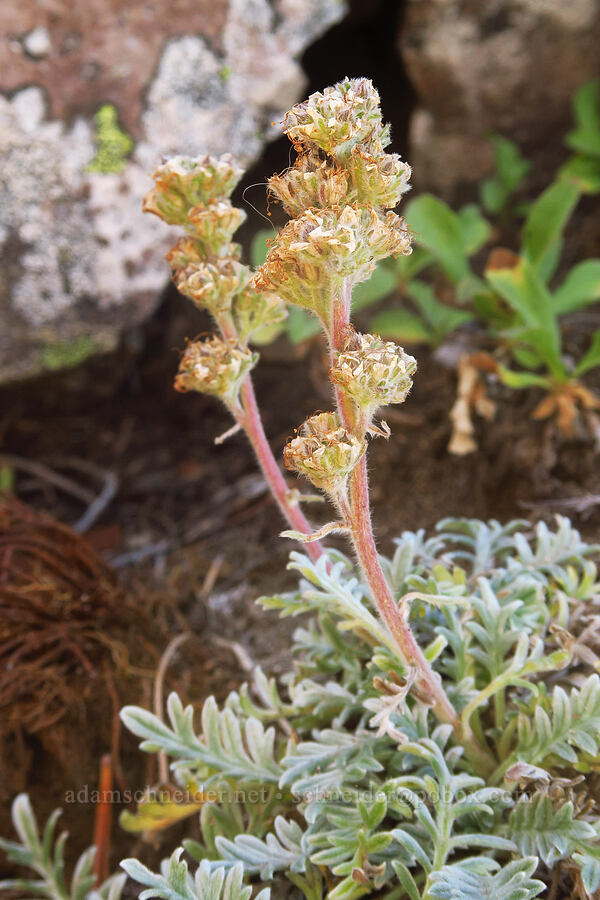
(439, 229)
(380, 285)
(175, 883)
(406, 267)
(580, 288)
(259, 247)
(468, 880)
(585, 138)
(525, 292)
(538, 829)
(511, 168)
(520, 380)
(406, 880)
(588, 861)
(441, 318)
(591, 359)
(539, 344)
(562, 725)
(475, 228)
(281, 851)
(545, 224)
(300, 325)
(230, 745)
(401, 325)
(585, 170)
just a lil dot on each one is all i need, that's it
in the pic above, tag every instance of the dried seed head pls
(215, 223)
(373, 372)
(377, 178)
(338, 119)
(314, 252)
(184, 182)
(311, 182)
(186, 252)
(254, 310)
(213, 286)
(217, 367)
(324, 451)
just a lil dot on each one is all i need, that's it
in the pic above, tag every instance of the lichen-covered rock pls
(510, 66)
(89, 102)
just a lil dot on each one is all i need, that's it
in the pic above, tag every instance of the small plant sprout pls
(44, 855)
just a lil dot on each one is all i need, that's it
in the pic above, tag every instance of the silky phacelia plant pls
(438, 737)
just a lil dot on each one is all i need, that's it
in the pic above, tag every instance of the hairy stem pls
(249, 418)
(359, 513)
(251, 421)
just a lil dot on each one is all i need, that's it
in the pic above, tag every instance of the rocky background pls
(92, 94)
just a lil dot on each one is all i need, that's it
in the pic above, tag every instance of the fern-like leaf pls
(562, 726)
(538, 828)
(176, 883)
(230, 745)
(484, 879)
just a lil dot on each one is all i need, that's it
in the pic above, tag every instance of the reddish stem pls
(102, 823)
(250, 419)
(251, 422)
(359, 513)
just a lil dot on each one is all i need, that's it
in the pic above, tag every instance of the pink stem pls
(251, 421)
(359, 513)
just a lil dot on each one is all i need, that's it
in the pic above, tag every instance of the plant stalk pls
(249, 418)
(359, 520)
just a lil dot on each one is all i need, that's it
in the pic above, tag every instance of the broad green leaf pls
(580, 287)
(441, 318)
(267, 333)
(490, 307)
(542, 343)
(492, 196)
(475, 228)
(439, 229)
(406, 267)
(511, 168)
(301, 325)
(591, 359)
(546, 222)
(585, 170)
(259, 247)
(585, 138)
(524, 291)
(380, 285)
(401, 325)
(520, 380)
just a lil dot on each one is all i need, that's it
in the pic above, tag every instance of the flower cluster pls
(324, 451)
(338, 119)
(205, 266)
(215, 366)
(314, 252)
(373, 372)
(183, 183)
(338, 191)
(212, 286)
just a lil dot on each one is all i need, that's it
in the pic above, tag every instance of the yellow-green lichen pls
(112, 143)
(66, 354)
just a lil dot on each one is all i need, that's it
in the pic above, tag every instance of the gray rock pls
(80, 263)
(510, 66)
